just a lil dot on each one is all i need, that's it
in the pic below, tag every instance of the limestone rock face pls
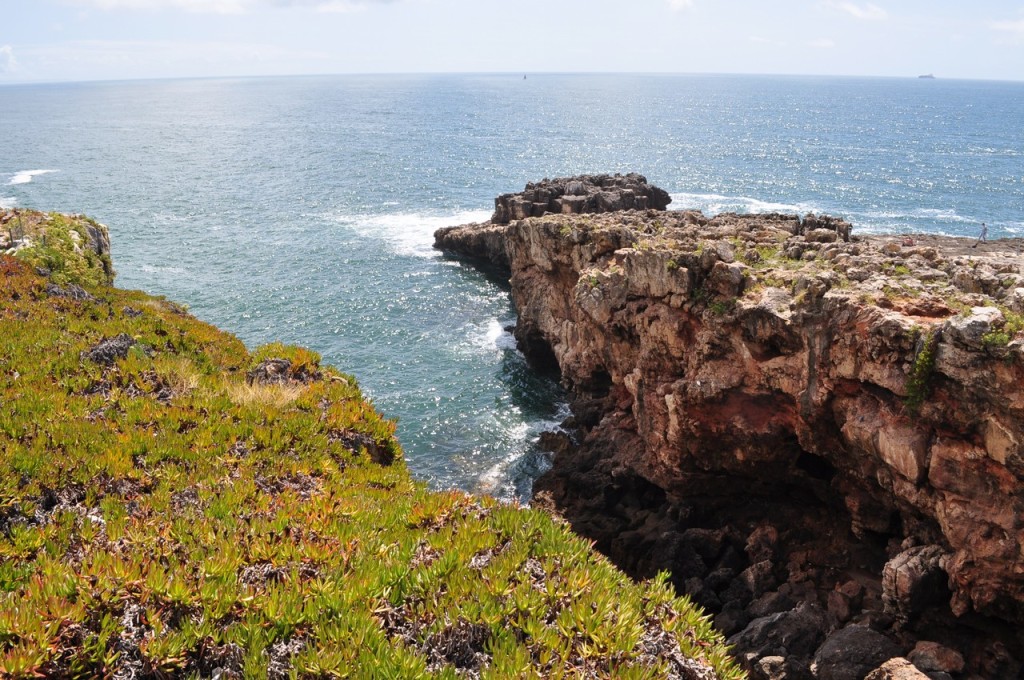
(483, 242)
(581, 194)
(862, 397)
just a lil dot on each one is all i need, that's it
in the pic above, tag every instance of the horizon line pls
(500, 73)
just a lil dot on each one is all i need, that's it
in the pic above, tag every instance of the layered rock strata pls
(815, 436)
(581, 194)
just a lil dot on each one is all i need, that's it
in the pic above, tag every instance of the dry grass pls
(178, 373)
(273, 396)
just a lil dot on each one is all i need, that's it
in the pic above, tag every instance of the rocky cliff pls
(820, 438)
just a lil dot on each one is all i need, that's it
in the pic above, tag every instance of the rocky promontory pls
(560, 196)
(580, 194)
(817, 434)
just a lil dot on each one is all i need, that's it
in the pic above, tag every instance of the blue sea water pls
(302, 209)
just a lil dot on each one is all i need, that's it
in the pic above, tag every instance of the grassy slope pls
(162, 517)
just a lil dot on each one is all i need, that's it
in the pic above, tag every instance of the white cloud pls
(8, 64)
(865, 12)
(225, 6)
(679, 5)
(1015, 28)
(822, 43)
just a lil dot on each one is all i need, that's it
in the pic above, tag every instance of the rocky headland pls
(817, 434)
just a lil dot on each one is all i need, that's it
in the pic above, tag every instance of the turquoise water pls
(302, 209)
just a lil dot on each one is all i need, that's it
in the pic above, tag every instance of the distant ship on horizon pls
(928, 76)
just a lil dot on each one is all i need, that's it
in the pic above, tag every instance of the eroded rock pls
(109, 350)
(913, 581)
(581, 194)
(740, 371)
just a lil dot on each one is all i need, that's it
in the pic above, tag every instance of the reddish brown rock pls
(913, 581)
(933, 657)
(731, 372)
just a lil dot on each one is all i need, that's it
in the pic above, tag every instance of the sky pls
(76, 40)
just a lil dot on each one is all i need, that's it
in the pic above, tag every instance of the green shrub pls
(919, 382)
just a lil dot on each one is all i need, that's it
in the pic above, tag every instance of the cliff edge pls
(173, 505)
(818, 435)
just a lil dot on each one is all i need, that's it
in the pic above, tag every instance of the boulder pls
(897, 669)
(795, 633)
(851, 653)
(109, 350)
(970, 330)
(913, 581)
(933, 657)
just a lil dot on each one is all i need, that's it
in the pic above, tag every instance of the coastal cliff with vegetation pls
(173, 504)
(817, 434)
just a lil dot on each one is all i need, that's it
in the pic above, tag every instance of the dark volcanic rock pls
(270, 372)
(796, 633)
(852, 653)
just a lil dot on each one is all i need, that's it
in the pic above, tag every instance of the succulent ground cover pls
(172, 505)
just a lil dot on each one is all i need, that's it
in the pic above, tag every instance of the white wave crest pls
(499, 479)
(485, 338)
(8, 202)
(25, 176)
(940, 214)
(713, 204)
(408, 233)
(935, 220)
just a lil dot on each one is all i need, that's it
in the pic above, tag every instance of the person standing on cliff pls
(983, 237)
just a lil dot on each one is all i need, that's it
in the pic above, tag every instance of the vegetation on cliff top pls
(172, 505)
(72, 248)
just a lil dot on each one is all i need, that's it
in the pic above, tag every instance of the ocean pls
(302, 209)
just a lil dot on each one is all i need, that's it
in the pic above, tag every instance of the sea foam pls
(511, 478)
(26, 176)
(410, 234)
(943, 221)
(714, 204)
